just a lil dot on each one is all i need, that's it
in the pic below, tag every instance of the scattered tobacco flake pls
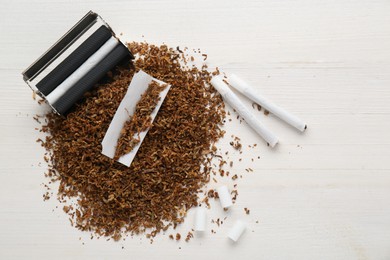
(171, 166)
(36, 118)
(46, 196)
(266, 112)
(247, 211)
(178, 236)
(140, 121)
(66, 209)
(189, 236)
(236, 143)
(171, 237)
(234, 194)
(255, 105)
(216, 72)
(212, 194)
(206, 201)
(117, 236)
(178, 49)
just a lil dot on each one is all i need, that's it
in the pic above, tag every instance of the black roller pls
(74, 60)
(74, 33)
(90, 79)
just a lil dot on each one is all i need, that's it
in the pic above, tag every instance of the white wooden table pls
(324, 194)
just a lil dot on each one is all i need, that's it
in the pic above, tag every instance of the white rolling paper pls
(138, 85)
(250, 93)
(224, 197)
(91, 62)
(237, 230)
(200, 219)
(231, 98)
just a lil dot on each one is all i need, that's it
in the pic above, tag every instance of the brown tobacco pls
(140, 121)
(172, 165)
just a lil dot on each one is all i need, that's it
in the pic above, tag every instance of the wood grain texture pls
(324, 194)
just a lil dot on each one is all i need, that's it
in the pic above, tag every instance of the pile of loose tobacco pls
(171, 166)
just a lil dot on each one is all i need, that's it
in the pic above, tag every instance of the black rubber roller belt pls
(87, 82)
(74, 60)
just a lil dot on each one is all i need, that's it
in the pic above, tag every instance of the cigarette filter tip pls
(200, 219)
(224, 197)
(237, 230)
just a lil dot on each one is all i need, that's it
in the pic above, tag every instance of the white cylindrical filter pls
(250, 93)
(244, 112)
(237, 230)
(224, 197)
(200, 219)
(91, 62)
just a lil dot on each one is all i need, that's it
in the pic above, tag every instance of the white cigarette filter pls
(232, 99)
(250, 93)
(91, 62)
(200, 219)
(237, 230)
(224, 197)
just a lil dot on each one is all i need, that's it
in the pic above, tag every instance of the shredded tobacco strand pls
(140, 121)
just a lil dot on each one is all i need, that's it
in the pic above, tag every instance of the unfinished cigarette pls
(138, 85)
(233, 100)
(224, 197)
(250, 93)
(200, 219)
(88, 65)
(237, 230)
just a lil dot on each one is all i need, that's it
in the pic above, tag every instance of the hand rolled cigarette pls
(200, 219)
(237, 230)
(232, 99)
(250, 93)
(224, 197)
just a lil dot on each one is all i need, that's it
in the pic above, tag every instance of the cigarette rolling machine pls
(76, 62)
